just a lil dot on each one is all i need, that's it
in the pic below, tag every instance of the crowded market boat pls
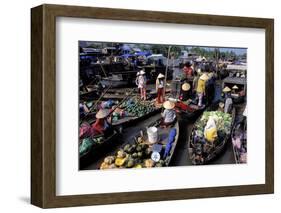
(145, 106)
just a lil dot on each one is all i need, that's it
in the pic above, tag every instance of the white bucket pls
(152, 134)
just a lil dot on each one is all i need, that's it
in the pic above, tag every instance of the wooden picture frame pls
(43, 105)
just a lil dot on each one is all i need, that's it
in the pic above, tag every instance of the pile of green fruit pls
(137, 107)
(135, 155)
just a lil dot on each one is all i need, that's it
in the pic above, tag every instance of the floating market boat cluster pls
(146, 106)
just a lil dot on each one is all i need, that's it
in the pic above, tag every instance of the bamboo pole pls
(102, 68)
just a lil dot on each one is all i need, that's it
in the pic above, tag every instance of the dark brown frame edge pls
(43, 105)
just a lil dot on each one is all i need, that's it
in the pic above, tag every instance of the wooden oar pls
(102, 68)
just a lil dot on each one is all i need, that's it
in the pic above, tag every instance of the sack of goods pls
(213, 124)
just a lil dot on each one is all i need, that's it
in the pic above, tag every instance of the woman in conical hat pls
(226, 89)
(201, 88)
(169, 105)
(235, 87)
(185, 88)
(228, 100)
(160, 88)
(137, 81)
(142, 84)
(169, 114)
(101, 124)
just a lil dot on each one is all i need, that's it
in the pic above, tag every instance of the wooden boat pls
(89, 96)
(163, 137)
(192, 110)
(201, 151)
(131, 119)
(133, 110)
(97, 149)
(138, 150)
(239, 141)
(114, 82)
(238, 99)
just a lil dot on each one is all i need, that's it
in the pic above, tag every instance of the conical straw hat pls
(102, 113)
(160, 76)
(142, 72)
(168, 105)
(226, 89)
(185, 87)
(235, 87)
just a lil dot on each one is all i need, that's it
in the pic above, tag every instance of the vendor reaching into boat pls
(201, 87)
(102, 124)
(228, 100)
(142, 84)
(169, 114)
(160, 88)
(185, 95)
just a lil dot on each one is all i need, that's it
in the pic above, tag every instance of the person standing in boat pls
(137, 81)
(169, 114)
(142, 84)
(201, 87)
(160, 88)
(187, 69)
(228, 100)
(235, 88)
(102, 124)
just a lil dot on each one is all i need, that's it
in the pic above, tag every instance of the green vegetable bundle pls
(88, 143)
(223, 122)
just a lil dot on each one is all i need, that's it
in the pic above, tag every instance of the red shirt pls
(188, 71)
(99, 126)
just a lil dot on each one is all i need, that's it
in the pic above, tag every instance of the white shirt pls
(169, 115)
(142, 81)
(228, 105)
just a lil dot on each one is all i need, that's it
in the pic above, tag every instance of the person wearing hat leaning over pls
(185, 95)
(228, 100)
(160, 88)
(101, 126)
(142, 84)
(201, 86)
(169, 114)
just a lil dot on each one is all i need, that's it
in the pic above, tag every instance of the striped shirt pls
(169, 115)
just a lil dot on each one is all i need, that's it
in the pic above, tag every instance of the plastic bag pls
(210, 131)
